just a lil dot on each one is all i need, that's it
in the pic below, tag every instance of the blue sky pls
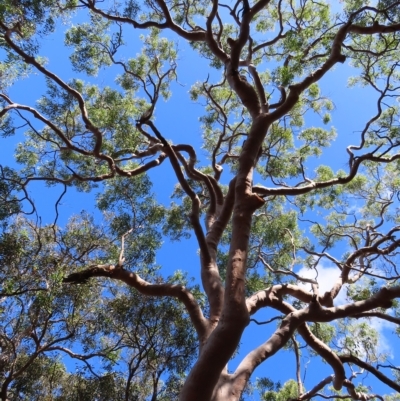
(352, 108)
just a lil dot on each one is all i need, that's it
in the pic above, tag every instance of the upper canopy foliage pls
(270, 206)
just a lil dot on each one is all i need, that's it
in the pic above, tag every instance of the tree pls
(264, 211)
(124, 345)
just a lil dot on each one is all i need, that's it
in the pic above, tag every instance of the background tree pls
(123, 346)
(263, 210)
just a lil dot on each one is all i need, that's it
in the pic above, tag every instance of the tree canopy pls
(270, 192)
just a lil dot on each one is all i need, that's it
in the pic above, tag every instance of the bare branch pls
(315, 389)
(351, 388)
(364, 365)
(298, 367)
(287, 272)
(293, 191)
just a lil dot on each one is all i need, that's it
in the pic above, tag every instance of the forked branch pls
(195, 215)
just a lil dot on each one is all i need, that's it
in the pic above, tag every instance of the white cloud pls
(382, 327)
(326, 278)
(383, 348)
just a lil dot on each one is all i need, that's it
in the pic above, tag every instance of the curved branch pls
(288, 272)
(278, 339)
(210, 181)
(40, 117)
(380, 315)
(293, 191)
(195, 36)
(146, 288)
(381, 299)
(259, 87)
(279, 36)
(82, 106)
(194, 217)
(297, 89)
(266, 297)
(315, 389)
(351, 389)
(199, 176)
(217, 229)
(77, 177)
(314, 313)
(325, 352)
(209, 35)
(375, 28)
(315, 343)
(281, 100)
(364, 365)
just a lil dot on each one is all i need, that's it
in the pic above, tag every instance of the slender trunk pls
(4, 391)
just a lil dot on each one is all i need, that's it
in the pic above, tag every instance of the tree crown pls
(268, 204)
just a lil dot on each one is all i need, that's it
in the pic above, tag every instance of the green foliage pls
(325, 332)
(8, 198)
(34, 14)
(361, 339)
(129, 204)
(92, 47)
(276, 232)
(151, 336)
(286, 392)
